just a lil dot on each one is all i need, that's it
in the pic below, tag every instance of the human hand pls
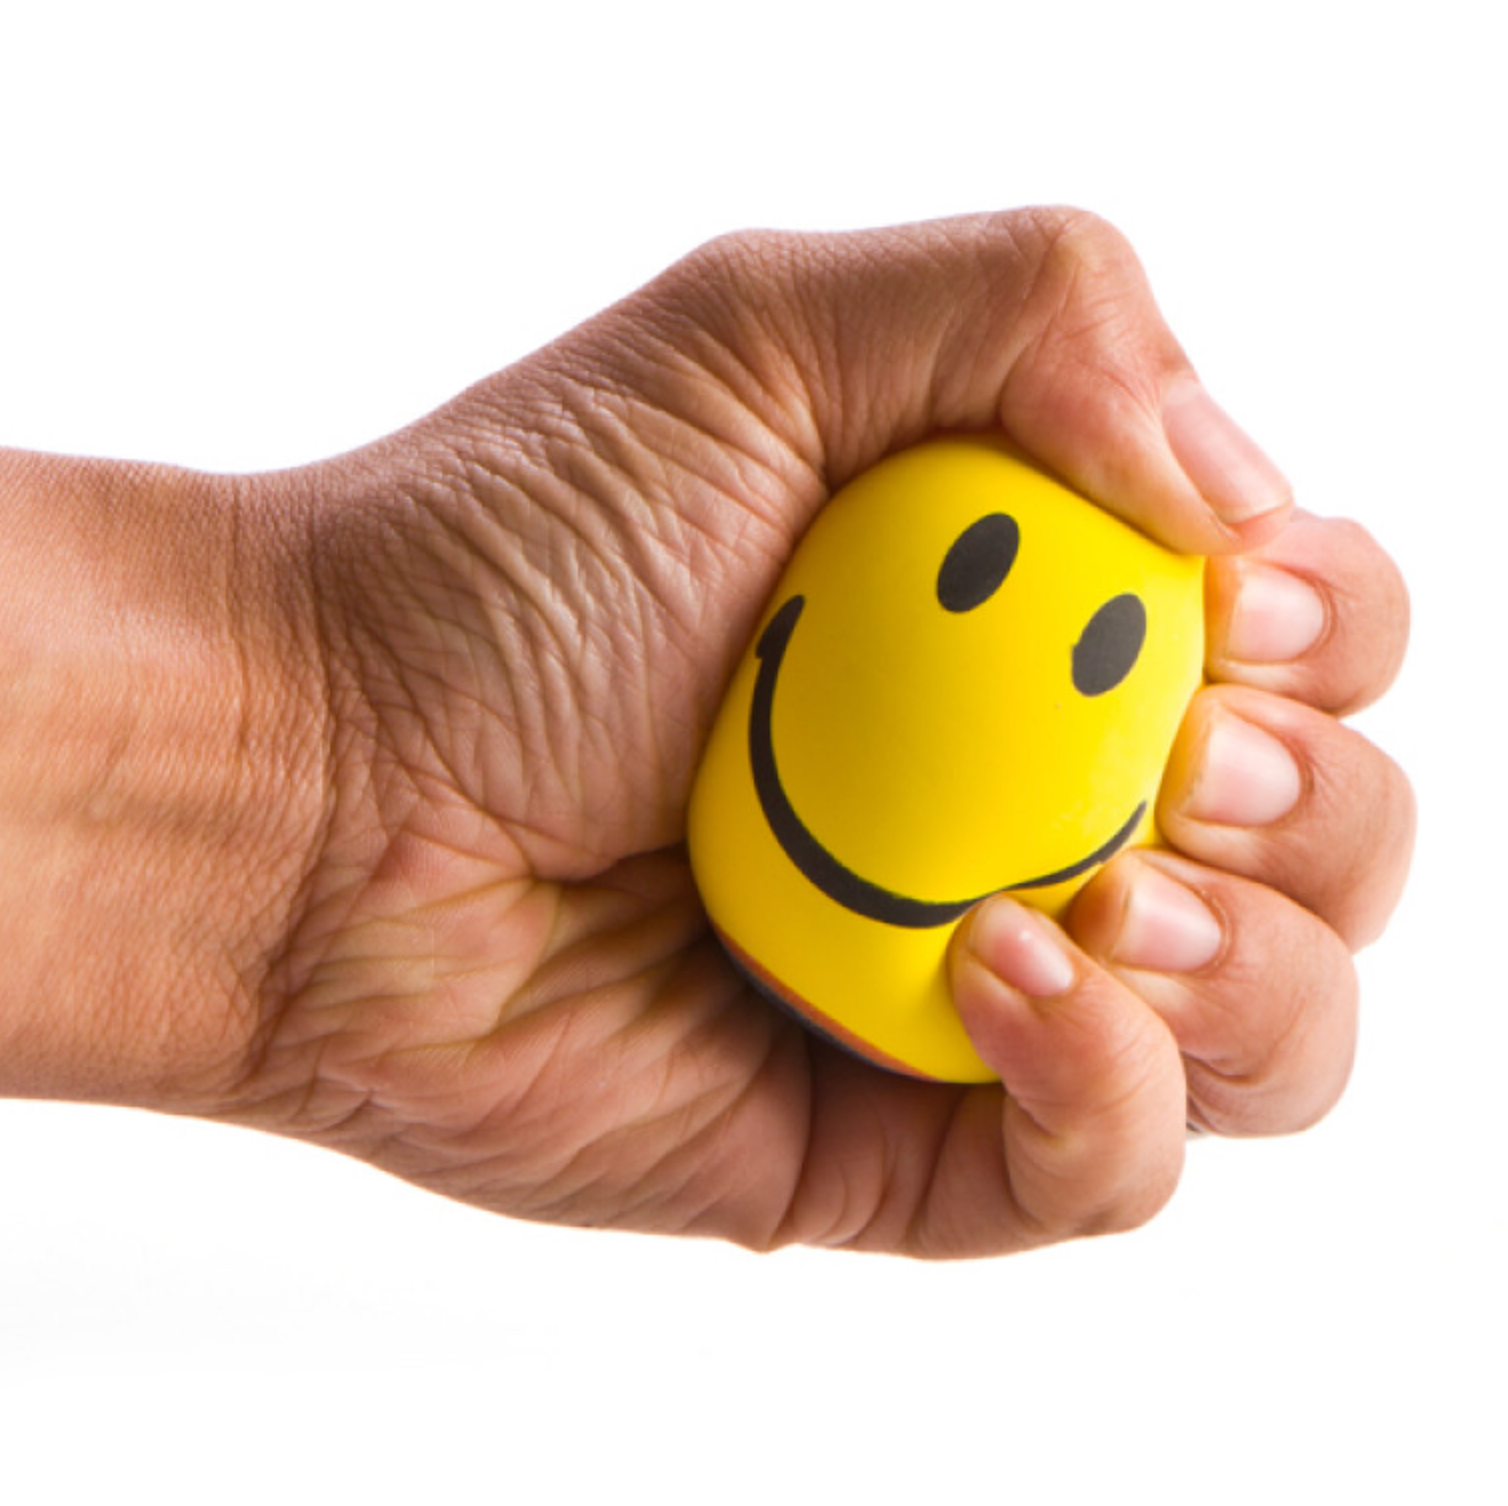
(495, 977)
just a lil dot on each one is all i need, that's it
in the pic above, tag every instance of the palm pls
(522, 1005)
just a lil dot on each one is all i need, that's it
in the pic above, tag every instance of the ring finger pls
(1259, 993)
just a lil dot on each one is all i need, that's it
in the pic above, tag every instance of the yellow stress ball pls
(968, 680)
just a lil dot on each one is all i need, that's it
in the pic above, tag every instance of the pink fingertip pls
(1022, 949)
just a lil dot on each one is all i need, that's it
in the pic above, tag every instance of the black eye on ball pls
(1110, 645)
(978, 562)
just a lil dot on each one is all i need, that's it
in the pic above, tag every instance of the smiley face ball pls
(968, 680)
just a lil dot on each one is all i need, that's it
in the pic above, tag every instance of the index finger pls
(1040, 322)
(1319, 614)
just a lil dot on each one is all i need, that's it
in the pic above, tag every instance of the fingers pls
(1319, 613)
(1185, 996)
(1259, 993)
(1040, 321)
(1263, 787)
(1105, 396)
(1093, 1125)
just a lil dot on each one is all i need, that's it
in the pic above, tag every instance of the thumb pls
(1040, 322)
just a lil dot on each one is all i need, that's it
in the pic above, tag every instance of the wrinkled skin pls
(459, 684)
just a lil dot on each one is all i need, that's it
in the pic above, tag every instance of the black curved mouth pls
(832, 877)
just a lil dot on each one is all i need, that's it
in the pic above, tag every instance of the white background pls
(239, 236)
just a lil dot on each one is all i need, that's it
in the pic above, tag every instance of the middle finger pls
(1264, 787)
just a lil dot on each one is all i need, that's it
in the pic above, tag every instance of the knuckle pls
(1285, 1075)
(1285, 1097)
(1084, 259)
(1077, 239)
(747, 297)
(1352, 540)
(1088, 295)
(739, 263)
(1136, 1205)
(1352, 856)
(1371, 599)
(1376, 878)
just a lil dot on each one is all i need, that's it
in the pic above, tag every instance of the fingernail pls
(1231, 473)
(1276, 617)
(1246, 778)
(1166, 926)
(1021, 948)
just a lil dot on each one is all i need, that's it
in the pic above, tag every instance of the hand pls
(488, 970)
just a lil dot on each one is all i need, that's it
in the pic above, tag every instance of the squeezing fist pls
(367, 824)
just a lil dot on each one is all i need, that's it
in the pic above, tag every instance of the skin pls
(348, 802)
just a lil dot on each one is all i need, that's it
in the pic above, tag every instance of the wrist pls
(161, 776)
